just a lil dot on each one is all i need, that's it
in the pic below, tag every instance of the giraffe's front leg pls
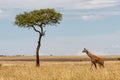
(91, 65)
(95, 65)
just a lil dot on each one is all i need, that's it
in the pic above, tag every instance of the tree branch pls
(36, 30)
(42, 32)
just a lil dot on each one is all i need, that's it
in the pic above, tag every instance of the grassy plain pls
(54, 70)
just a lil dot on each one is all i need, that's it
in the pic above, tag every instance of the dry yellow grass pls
(58, 71)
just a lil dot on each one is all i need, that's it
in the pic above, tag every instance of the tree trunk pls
(37, 51)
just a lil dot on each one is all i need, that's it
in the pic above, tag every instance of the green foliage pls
(39, 18)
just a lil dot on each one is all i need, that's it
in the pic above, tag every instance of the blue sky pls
(91, 24)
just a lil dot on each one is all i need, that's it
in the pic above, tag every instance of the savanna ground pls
(56, 70)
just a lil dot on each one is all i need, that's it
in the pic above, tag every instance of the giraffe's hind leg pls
(101, 65)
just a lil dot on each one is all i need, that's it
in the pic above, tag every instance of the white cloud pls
(93, 4)
(0, 11)
(113, 12)
(31, 4)
(84, 6)
(90, 17)
(6, 14)
(66, 4)
(99, 15)
(102, 3)
(116, 46)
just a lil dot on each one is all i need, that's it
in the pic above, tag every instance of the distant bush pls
(2, 55)
(118, 58)
(0, 65)
(19, 55)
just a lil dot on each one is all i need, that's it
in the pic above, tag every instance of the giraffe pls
(94, 59)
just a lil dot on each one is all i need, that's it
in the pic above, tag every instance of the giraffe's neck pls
(89, 54)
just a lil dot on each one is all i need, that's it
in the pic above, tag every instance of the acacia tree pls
(37, 20)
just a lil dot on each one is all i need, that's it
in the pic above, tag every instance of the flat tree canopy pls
(38, 17)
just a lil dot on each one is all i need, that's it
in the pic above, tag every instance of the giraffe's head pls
(85, 50)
